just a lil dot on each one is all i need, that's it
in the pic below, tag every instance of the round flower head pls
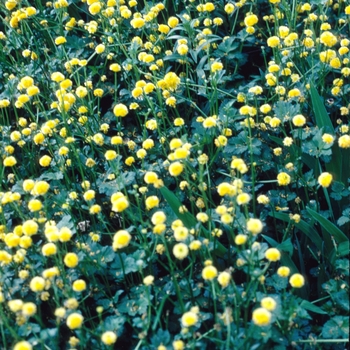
(261, 317)
(120, 110)
(272, 254)
(325, 179)
(79, 285)
(121, 239)
(74, 320)
(299, 120)
(297, 280)
(71, 260)
(283, 179)
(37, 284)
(224, 279)
(268, 303)
(209, 272)
(148, 280)
(176, 169)
(180, 251)
(23, 345)
(254, 226)
(109, 338)
(344, 141)
(189, 319)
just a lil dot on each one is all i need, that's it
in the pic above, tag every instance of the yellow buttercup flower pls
(297, 280)
(109, 338)
(261, 317)
(74, 320)
(325, 179)
(189, 319)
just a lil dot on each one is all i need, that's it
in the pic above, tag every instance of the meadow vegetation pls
(174, 174)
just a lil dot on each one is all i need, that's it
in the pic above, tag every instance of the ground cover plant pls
(174, 174)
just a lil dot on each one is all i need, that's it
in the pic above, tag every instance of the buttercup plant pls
(174, 175)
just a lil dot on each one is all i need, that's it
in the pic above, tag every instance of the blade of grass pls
(333, 230)
(303, 226)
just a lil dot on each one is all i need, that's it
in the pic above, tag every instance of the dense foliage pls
(174, 175)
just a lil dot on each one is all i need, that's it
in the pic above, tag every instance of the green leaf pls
(337, 327)
(303, 226)
(187, 218)
(123, 180)
(335, 166)
(51, 176)
(337, 234)
(311, 307)
(342, 249)
(341, 299)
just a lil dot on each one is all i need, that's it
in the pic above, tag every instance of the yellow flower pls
(273, 41)
(148, 280)
(37, 284)
(120, 204)
(115, 67)
(173, 22)
(327, 138)
(261, 317)
(268, 303)
(30, 227)
(180, 233)
(65, 234)
(23, 345)
(71, 260)
(121, 239)
(137, 23)
(229, 8)
(79, 285)
(49, 249)
(95, 8)
(45, 161)
(216, 66)
(120, 110)
(254, 226)
(325, 179)
(297, 280)
(158, 218)
(250, 20)
(224, 279)
(328, 39)
(34, 205)
(110, 155)
(241, 239)
(9, 161)
(178, 345)
(209, 122)
(60, 40)
(151, 202)
(176, 169)
(39, 188)
(202, 217)
(100, 49)
(89, 195)
(272, 254)
(29, 309)
(108, 338)
(209, 272)
(189, 319)
(180, 251)
(344, 141)
(74, 320)
(283, 179)
(299, 120)
(243, 198)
